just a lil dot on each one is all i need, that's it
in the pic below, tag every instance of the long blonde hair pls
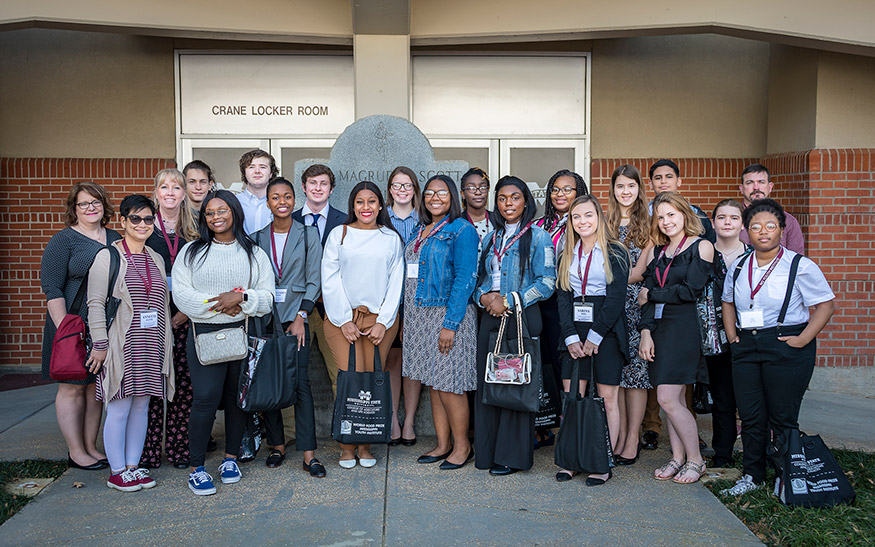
(692, 223)
(185, 224)
(639, 218)
(609, 244)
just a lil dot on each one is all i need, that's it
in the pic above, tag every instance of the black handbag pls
(251, 441)
(583, 443)
(363, 406)
(522, 391)
(811, 477)
(550, 410)
(702, 400)
(709, 316)
(269, 379)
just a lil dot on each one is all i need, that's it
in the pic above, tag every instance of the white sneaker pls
(742, 486)
(777, 492)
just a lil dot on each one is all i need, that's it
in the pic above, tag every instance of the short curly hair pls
(94, 190)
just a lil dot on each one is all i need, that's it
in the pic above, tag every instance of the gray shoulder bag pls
(223, 345)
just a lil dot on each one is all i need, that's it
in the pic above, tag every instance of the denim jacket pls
(540, 277)
(448, 270)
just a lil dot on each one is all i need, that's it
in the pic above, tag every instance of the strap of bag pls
(517, 311)
(76, 306)
(114, 265)
(344, 234)
(575, 378)
(738, 272)
(114, 268)
(378, 366)
(794, 267)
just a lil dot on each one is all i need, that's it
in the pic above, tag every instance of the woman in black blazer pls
(296, 256)
(592, 276)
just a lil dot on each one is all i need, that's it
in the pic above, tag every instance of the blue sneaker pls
(230, 471)
(200, 482)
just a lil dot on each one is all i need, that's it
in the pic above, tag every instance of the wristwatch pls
(303, 314)
(245, 297)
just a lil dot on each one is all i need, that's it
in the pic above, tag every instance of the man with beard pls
(755, 184)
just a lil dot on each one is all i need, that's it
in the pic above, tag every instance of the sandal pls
(698, 468)
(672, 464)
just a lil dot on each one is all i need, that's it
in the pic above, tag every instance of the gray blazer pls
(302, 263)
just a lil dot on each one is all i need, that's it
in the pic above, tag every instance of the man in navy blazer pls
(318, 181)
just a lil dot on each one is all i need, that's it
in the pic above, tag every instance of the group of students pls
(423, 277)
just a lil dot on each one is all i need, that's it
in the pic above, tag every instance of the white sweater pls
(367, 270)
(224, 268)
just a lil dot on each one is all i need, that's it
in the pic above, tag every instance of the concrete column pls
(382, 75)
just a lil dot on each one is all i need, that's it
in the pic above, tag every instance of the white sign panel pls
(499, 95)
(258, 94)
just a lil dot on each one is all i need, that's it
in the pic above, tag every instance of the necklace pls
(233, 241)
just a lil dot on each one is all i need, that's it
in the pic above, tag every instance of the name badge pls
(413, 270)
(657, 312)
(584, 312)
(280, 295)
(751, 319)
(169, 284)
(148, 319)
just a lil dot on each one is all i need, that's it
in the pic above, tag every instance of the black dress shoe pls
(447, 464)
(650, 441)
(275, 459)
(408, 442)
(394, 442)
(180, 465)
(100, 464)
(212, 444)
(592, 481)
(501, 470)
(620, 460)
(564, 476)
(433, 459)
(315, 468)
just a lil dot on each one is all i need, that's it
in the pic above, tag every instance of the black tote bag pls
(811, 476)
(550, 410)
(524, 397)
(269, 379)
(583, 443)
(363, 407)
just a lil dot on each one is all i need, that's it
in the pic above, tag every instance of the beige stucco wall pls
(81, 94)
(382, 75)
(679, 96)
(845, 101)
(792, 123)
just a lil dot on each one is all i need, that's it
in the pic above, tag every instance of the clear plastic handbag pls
(509, 368)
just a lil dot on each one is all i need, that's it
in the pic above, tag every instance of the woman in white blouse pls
(362, 278)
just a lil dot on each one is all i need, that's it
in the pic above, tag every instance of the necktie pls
(315, 217)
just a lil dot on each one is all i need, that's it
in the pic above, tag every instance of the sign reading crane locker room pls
(265, 94)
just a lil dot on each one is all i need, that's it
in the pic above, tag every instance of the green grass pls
(776, 524)
(29, 469)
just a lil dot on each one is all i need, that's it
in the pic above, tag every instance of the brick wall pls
(32, 196)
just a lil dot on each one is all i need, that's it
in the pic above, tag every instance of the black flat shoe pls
(591, 481)
(315, 468)
(564, 476)
(650, 441)
(275, 459)
(433, 459)
(447, 464)
(394, 442)
(502, 470)
(620, 460)
(181, 465)
(100, 464)
(408, 442)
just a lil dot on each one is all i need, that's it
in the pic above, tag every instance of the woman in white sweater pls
(362, 278)
(222, 279)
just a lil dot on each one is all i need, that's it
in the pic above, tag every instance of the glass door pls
(223, 157)
(288, 151)
(536, 160)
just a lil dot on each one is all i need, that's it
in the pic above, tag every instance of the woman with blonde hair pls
(629, 221)
(678, 268)
(592, 277)
(174, 227)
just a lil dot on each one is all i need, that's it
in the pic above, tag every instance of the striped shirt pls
(405, 226)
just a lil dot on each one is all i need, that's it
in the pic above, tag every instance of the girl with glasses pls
(475, 198)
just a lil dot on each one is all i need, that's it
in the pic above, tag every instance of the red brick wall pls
(32, 196)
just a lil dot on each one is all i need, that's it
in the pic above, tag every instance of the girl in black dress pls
(678, 268)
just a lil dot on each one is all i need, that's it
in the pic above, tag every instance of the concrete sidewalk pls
(398, 502)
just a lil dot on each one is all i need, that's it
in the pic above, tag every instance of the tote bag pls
(363, 407)
(583, 443)
(269, 379)
(811, 476)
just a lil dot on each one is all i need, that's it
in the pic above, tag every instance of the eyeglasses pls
(402, 186)
(769, 227)
(568, 190)
(482, 189)
(428, 194)
(84, 205)
(220, 212)
(136, 219)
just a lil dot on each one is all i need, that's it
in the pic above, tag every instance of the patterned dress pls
(143, 347)
(635, 373)
(455, 372)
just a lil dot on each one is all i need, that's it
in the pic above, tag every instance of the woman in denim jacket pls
(440, 338)
(516, 257)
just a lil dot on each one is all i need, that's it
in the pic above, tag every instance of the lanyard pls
(174, 248)
(500, 255)
(471, 220)
(583, 276)
(754, 291)
(420, 240)
(278, 263)
(664, 278)
(147, 281)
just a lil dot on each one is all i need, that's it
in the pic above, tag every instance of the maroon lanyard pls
(420, 240)
(147, 281)
(500, 255)
(664, 278)
(278, 263)
(754, 291)
(583, 276)
(174, 248)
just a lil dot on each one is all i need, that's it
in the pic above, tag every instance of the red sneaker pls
(126, 481)
(145, 480)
